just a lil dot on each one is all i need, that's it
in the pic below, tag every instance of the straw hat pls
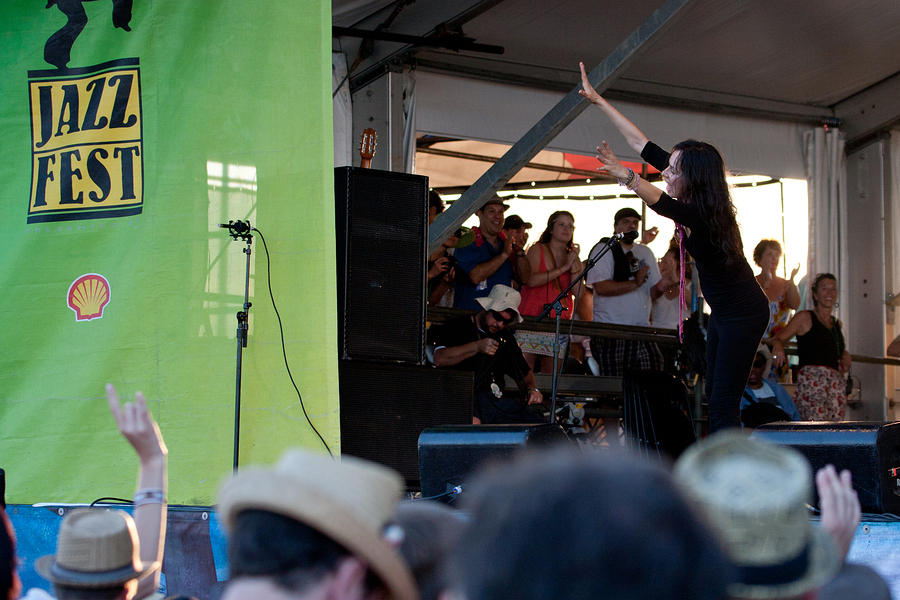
(502, 297)
(755, 494)
(95, 548)
(349, 500)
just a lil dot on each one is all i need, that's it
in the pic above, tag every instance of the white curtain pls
(893, 197)
(342, 111)
(826, 183)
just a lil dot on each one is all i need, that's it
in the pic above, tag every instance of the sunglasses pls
(502, 319)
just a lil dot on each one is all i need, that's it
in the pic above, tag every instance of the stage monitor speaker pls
(657, 413)
(385, 406)
(448, 455)
(381, 219)
(870, 451)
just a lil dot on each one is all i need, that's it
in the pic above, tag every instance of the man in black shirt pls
(481, 343)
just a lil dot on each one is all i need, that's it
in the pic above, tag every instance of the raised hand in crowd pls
(649, 235)
(150, 506)
(839, 505)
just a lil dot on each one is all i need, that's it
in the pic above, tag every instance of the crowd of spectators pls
(728, 520)
(627, 285)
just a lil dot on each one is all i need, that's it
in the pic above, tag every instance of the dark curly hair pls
(703, 173)
(761, 248)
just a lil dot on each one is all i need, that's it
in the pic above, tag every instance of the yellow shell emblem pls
(88, 295)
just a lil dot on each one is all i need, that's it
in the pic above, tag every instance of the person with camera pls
(517, 228)
(554, 262)
(442, 270)
(624, 281)
(481, 343)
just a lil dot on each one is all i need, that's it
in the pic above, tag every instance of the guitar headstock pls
(367, 144)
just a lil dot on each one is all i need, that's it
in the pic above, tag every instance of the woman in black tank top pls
(823, 355)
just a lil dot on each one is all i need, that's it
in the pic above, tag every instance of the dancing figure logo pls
(86, 130)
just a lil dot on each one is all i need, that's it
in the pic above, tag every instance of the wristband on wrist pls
(149, 496)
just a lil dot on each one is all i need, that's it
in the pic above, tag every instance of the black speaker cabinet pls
(385, 406)
(870, 451)
(381, 218)
(448, 455)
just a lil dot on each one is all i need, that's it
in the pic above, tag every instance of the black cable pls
(455, 491)
(110, 499)
(283, 349)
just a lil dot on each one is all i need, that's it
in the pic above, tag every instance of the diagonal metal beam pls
(869, 111)
(559, 117)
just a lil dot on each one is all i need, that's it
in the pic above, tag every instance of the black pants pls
(494, 411)
(731, 343)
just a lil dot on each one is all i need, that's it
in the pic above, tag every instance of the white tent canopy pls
(459, 107)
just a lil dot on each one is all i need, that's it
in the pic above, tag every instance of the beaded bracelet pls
(627, 181)
(633, 184)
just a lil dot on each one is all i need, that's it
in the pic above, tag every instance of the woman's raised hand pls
(611, 163)
(587, 90)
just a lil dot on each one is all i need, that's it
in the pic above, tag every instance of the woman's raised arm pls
(634, 136)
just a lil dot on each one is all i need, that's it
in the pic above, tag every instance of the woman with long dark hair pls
(697, 199)
(554, 261)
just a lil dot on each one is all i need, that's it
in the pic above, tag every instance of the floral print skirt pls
(820, 394)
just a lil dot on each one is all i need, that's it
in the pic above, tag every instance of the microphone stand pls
(240, 230)
(557, 305)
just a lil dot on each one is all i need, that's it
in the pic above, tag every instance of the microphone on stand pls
(626, 236)
(238, 227)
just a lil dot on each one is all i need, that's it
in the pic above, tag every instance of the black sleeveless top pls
(821, 346)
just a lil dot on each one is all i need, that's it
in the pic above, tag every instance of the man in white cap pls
(481, 343)
(312, 527)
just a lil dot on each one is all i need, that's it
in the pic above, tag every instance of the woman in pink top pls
(554, 260)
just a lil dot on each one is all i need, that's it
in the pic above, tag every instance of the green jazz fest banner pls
(132, 128)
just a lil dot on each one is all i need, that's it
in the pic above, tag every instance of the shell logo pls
(88, 295)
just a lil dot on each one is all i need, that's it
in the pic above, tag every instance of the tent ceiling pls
(801, 61)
